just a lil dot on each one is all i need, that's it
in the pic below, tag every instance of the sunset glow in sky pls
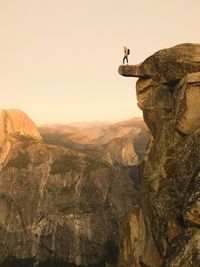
(59, 58)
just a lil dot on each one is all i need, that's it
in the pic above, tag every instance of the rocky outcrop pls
(14, 122)
(168, 92)
(59, 207)
(120, 151)
(166, 65)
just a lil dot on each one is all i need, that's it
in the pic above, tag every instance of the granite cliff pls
(58, 206)
(166, 227)
(12, 122)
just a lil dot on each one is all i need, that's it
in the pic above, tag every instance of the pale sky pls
(59, 58)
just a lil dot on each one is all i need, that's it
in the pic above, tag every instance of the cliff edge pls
(168, 92)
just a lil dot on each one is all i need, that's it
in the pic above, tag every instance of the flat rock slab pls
(167, 64)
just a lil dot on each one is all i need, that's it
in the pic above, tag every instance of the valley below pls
(64, 190)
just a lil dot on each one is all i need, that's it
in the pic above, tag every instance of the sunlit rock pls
(168, 92)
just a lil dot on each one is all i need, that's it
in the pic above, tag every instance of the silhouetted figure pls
(126, 53)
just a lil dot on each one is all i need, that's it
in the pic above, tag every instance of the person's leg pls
(125, 58)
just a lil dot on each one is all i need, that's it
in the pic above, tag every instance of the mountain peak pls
(13, 121)
(16, 121)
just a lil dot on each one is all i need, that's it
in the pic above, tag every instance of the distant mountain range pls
(118, 143)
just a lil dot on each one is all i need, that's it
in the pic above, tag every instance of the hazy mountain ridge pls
(95, 138)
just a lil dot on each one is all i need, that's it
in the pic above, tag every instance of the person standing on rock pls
(126, 53)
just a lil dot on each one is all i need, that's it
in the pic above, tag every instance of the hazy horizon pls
(90, 122)
(59, 59)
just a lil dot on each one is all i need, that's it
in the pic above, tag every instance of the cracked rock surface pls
(168, 92)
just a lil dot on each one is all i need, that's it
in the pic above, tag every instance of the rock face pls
(16, 121)
(58, 207)
(120, 151)
(168, 92)
(13, 122)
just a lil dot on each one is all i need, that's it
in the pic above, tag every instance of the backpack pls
(128, 51)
